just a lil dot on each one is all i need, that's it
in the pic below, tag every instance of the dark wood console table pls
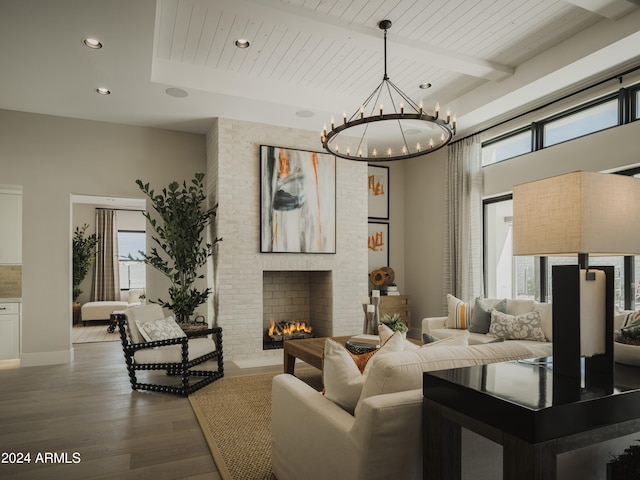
(522, 407)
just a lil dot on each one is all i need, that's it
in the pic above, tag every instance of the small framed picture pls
(378, 186)
(378, 245)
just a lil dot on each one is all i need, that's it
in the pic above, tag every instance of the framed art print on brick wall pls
(297, 201)
(378, 187)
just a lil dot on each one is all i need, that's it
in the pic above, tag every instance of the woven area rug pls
(235, 416)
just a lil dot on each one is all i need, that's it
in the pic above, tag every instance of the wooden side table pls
(400, 304)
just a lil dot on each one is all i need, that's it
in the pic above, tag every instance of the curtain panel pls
(463, 244)
(106, 272)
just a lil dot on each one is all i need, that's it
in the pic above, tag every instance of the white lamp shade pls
(579, 212)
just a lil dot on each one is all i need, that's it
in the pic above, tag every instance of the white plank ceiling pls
(320, 56)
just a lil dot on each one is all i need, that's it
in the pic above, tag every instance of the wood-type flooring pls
(82, 421)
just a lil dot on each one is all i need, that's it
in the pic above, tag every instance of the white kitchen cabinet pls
(10, 227)
(9, 331)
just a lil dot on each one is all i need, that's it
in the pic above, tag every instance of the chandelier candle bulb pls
(332, 123)
(420, 105)
(380, 109)
(437, 111)
(344, 117)
(375, 153)
(389, 152)
(401, 108)
(448, 116)
(431, 143)
(361, 112)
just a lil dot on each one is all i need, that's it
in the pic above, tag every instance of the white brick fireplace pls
(238, 270)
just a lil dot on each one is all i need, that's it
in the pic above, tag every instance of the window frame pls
(144, 233)
(584, 107)
(628, 102)
(506, 136)
(628, 273)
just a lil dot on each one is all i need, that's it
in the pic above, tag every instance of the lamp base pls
(567, 328)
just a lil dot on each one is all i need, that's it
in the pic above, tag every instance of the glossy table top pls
(526, 400)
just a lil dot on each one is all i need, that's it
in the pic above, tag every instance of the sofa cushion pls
(343, 373)
(403, 370)
(481, 316)
(459, 312)
(173, 353)
(160, 329)
(527, 326)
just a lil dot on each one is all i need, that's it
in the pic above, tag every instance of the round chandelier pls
(389, 117)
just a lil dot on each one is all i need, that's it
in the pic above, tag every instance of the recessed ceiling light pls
(103, 91)
(242, 43)
(92, 43)
(304, 113)
(425, 85)
(176, 92)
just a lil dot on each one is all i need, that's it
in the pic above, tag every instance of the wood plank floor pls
(87, 407)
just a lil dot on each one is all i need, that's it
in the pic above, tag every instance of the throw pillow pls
(481, 317)
(428, 338)
(459, 313)
(632, 320)
(160, 329)
(527, 326)
(343, 373)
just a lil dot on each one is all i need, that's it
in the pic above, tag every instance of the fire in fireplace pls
(277, 333)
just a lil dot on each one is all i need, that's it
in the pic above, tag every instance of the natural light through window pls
(508, 147)
(581, 123)
(132, 269)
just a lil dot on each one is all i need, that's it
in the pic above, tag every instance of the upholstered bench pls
(100, 310)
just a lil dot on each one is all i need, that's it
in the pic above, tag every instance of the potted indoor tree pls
(84, 254)
(180, 250)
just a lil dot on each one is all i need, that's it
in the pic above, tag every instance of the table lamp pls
(579, 213)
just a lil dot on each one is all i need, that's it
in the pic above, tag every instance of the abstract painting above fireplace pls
(297, 201)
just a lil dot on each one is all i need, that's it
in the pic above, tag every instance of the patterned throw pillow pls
(161, 329)
(527, 326)
(459, 313)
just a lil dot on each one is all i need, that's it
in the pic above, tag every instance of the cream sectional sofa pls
(437, 326)
(315, 439)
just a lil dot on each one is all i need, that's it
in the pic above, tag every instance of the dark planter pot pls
(76, 312)
(613, 473)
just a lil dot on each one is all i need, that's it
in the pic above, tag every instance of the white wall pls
(424, 201)
(425, 182)
(52, 158)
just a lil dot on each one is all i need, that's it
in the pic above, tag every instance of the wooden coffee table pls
(308, 350)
